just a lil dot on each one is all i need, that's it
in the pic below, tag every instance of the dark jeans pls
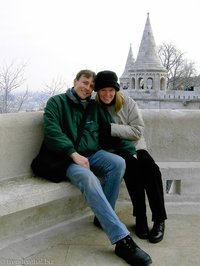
(143, 175)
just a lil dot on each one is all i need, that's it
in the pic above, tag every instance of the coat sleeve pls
(55, 137)
(107, 141)
(129, 124)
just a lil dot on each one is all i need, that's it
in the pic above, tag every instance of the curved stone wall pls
(171, 135)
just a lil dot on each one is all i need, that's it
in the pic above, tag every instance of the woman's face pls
(107, 94)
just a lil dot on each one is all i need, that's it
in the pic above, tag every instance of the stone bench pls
(173, 139)
(29, 204)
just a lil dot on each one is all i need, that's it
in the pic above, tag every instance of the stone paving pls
(77, 242)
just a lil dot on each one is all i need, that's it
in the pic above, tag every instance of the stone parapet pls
(29, 203)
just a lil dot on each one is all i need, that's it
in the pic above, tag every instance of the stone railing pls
(28, 203)
(173, 139)
(159, 94)
(153, 99)
(172, 136)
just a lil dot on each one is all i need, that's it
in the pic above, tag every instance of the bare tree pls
(20, 100)
(11, 78)
(56, 86)
(180, 70)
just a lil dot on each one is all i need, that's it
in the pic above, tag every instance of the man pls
(62, 119)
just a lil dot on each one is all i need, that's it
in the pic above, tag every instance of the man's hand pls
(80, 160)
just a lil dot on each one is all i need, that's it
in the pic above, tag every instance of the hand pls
(80, 160)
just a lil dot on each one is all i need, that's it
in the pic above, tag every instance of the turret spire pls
(129, 63)
(148, 58)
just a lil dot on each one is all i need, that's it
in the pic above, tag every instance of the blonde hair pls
(119, 100)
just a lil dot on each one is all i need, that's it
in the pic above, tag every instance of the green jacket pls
(62, 116)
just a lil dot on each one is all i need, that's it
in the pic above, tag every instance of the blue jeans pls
(102, 196)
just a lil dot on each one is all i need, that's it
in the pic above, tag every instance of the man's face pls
(107, 94)
(84, 87)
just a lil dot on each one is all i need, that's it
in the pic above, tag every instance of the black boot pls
(127, 249)
(97, 223)
(141, 228)
(157, 232)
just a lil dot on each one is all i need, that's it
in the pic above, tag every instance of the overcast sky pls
(57, 38)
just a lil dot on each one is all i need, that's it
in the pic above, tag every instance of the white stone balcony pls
(46, 223)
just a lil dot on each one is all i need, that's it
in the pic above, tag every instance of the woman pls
(142, 173)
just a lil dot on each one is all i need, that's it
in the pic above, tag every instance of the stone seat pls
(181, 181)
(30, 204)
(173, 139)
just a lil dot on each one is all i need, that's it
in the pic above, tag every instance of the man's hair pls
(86, 73)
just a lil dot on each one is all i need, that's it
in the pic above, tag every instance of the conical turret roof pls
(148, 58)
(129, 64)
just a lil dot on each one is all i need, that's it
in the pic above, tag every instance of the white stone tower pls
(147, 72)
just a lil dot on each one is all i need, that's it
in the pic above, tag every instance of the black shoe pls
(157, 232)
(127, 249)
(97, 223)
(141, 228)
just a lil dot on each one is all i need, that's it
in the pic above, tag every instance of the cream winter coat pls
(129, 123)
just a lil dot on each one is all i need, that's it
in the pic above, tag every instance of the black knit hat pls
(105, 79)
